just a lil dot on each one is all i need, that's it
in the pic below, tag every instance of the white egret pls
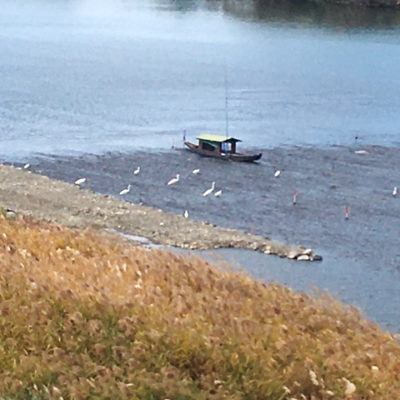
(186, 214)
(196, 171)
(125, 191)
(174, 180)
(136, 171)
(80, 181)
(394, 193)
(218, 193)
(277, 173)
(208, 191)
(26, 166)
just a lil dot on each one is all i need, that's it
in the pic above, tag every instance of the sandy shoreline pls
(41, 197)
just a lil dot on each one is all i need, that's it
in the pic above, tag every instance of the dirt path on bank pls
(41, 197)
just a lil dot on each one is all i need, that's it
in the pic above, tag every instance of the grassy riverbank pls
(87, 315)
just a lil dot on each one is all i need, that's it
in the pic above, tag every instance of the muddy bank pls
(253, 200)
(31, 194)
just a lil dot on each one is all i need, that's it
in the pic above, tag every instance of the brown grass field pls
(84, 315)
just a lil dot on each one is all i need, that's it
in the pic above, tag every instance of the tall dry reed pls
(86, 316)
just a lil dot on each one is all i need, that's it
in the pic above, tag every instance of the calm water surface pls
(88, 75)
(95, 76)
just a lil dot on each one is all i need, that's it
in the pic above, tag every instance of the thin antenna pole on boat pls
(226, 105)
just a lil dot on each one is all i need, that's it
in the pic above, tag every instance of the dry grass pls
(83, 316)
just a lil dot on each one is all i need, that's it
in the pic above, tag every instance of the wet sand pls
(254, 200)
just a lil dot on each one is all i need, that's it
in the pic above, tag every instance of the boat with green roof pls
(221, 147)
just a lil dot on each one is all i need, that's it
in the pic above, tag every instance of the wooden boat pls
(221, 147)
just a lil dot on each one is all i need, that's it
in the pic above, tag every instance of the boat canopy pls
(207, 137)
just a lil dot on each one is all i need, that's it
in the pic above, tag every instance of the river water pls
(92, 76)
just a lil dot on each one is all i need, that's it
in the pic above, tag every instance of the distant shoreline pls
(390, 4)
(356, 3)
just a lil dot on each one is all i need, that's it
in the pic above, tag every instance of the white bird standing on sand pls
(136, 171)
(174, 180)
(394, 191)
(218, 193)
(125, 191)
(80, 181)
(277, 173)
(186, 214)
(196, 171)
(208, 191)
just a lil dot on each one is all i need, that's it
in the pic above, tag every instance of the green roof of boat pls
(217, 138)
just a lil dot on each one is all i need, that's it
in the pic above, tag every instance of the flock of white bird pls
(83, 181)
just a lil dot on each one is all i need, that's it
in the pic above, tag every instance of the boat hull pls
(238, 157)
